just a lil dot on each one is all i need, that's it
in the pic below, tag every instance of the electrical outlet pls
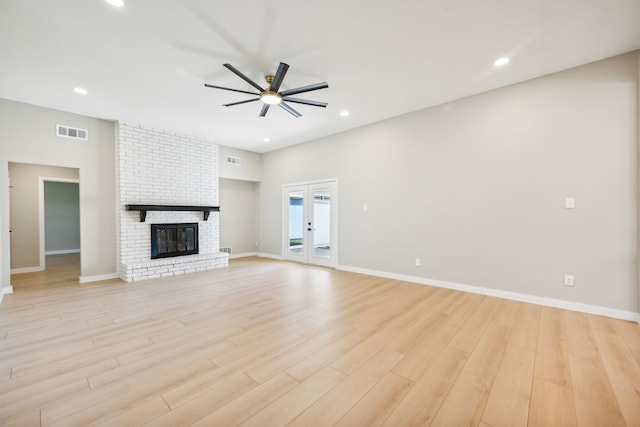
(568, 280)
(418, 262)
(570, 203)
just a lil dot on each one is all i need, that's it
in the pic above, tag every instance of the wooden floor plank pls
(424, 397)
(487, 355)
(622, 368)
(508, 403)
(254, 400)
(296, 400)
(552, 361)
(551, 405)
(85, 407)
(190, 408)
(630, 331)
(629, 406)
(332, 406)
(136, 415)
(327, 355)
(464, 404)
(596, 403)
(580, 340)
(525, 327)
(374, 408)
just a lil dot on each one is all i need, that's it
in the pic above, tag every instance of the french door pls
(310, 223)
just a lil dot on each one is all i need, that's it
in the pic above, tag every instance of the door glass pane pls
(322, 223)
(296, 222)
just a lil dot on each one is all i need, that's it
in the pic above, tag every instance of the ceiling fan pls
(271, 95)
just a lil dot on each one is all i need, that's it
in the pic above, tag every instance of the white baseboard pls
(243, 255)
(87, 279)
(5, 290)
(264, 255)
(66, 251)
(549, 302)
(26, 270)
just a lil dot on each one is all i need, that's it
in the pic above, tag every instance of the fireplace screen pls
(170, 240)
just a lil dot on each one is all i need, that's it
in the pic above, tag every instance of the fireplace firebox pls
(171, 240)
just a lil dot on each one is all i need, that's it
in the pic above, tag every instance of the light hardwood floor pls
(268, 343)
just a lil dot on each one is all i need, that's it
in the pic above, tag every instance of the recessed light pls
(502, 61)
(344, 113)
(116, 3)
(267, 140)
(80, 90)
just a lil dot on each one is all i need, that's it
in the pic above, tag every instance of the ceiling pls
(146, 63)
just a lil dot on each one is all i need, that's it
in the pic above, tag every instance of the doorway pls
(28, 241)
(59, 220)
(310, 223)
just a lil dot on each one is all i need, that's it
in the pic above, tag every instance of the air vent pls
(69, 132)
(226, 249)
(233, 160)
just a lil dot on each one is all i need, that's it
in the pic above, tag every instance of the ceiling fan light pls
(501, 62)
(271, 98)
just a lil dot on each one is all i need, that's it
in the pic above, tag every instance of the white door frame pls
(331, 262)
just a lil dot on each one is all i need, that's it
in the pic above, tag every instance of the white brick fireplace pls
(162, 168)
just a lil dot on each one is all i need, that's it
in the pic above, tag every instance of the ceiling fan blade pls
(243, 77)
(264, 110)
(302, 89)
(305, 101)
(290, 110)
(240, 102)
(228, 88)
(279, 77)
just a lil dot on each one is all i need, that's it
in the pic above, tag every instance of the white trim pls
(550, 302)
(41, 181)
(318, 181)
(5, 291)
(27, 270)
(87, 279)
(271, 256)
(243, 255)
(63, 252)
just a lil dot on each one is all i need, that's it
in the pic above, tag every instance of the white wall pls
(249, 169)
(28, 135)
(476, 188)
(239, 215)
(638, 183)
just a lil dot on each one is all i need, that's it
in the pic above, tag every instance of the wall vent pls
(69, 132)
(226, 249)
(233, 160)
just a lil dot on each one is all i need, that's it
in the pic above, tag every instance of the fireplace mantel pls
(172, 208)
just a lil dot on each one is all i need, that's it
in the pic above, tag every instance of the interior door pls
(310, 223)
